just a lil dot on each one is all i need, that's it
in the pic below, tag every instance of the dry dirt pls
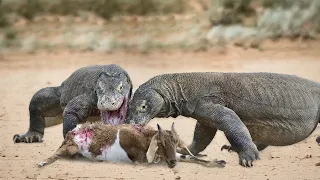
(22, 75)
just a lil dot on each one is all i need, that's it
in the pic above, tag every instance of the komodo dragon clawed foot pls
(29, 137)
(247, 156)
(245, 159)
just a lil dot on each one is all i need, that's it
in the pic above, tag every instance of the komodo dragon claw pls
(29, 137)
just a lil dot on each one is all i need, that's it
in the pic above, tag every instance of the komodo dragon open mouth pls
(116, 117)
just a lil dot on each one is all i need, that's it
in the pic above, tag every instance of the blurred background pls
(106, 26)
(43, 41)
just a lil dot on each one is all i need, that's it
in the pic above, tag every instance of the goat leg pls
(193, 159)
(61, 151)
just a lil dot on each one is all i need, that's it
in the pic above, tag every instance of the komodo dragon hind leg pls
(44, 103)
(202, 137)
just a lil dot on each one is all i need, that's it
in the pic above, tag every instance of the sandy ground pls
(22, 75)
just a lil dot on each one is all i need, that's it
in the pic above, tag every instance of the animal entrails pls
(254, 110)
(92, 91)
(125, 143)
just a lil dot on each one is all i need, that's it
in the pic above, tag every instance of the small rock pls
(178, 177)
(318, 164)
(3, 155)
(16, 156)
(275, 157)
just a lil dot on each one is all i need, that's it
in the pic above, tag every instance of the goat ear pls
(152, 150)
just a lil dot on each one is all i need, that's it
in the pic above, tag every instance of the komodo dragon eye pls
(143, 107)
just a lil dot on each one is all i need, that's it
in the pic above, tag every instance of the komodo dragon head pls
(144, 106)
(113, 93)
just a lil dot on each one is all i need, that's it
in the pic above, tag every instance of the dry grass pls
(105, 26)
(106, 38)
(29, 9)
(263, 19)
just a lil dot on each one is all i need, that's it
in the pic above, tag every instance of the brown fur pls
(68, 148)
(131, 139)
(136, 142)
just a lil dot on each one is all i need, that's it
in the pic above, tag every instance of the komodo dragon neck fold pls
(173, 96)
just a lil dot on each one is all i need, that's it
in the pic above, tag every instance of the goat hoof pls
(221, 163)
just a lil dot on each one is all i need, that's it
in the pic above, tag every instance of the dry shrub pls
(292, 18)
(3, 20)
(228, 11)
(279, 18)
(103, 8)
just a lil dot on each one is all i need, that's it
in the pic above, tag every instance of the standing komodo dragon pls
(99, 90)
(253, 110)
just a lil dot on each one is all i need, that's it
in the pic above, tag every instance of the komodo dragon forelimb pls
(203, 135)
(44, 103)
(228, 121)
(76, 111)
(254, 110)
(92, 91)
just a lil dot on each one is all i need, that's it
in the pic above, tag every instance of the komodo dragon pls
(90, 91)
(253, 110)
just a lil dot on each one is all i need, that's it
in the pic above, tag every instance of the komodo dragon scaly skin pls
(92, 91)
(253, 110)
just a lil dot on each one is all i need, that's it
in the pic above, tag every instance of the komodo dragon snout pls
(113, 94)
(145, 105)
